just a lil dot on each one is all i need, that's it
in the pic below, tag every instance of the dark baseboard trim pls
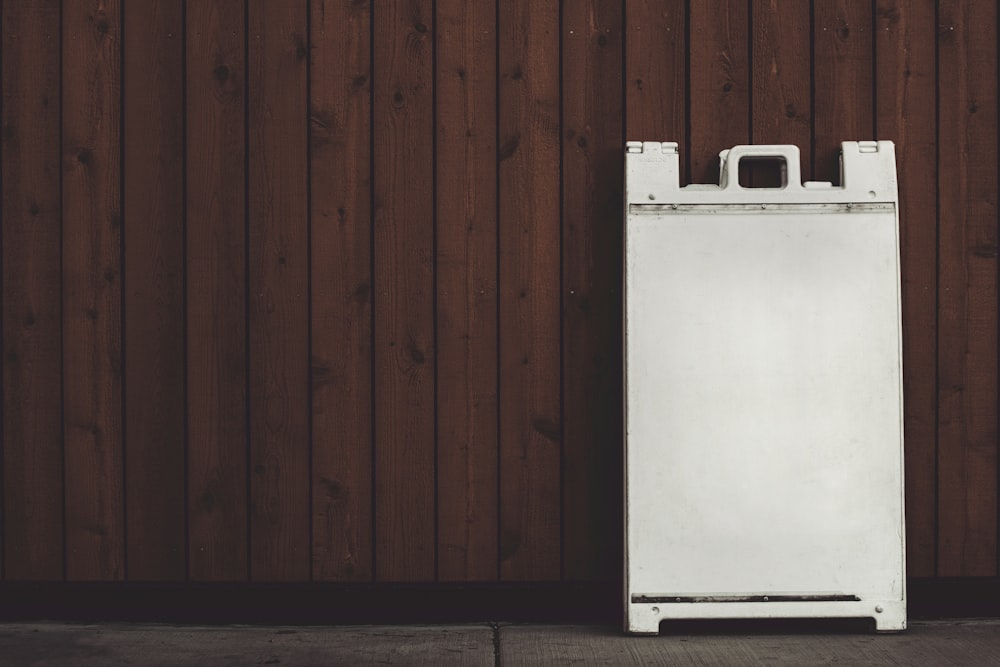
(315, 603)
(323, 603)
(954, 597)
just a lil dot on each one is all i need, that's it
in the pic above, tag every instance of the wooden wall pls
(330, 290)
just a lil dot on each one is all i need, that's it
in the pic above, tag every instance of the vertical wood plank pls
(32, 358)
(404, 281)
(655, 61)
(781, 96)
(153, 139)
(91, 250)
(967, 298)
(216, 291)
(842, 78)
(466, 290)
(719, 104)
(530, 210)
(905, 88)
(279, 300)
(591, 292)
(340, 173)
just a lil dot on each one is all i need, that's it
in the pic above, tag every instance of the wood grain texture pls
(404, 282)
(426, 360)
(842, 81)
(719, 102)
(591, 289)
(153, 139)
(279, 284)
(967, 297)
(905, 87)
(340, 204)
(216, 291)
(781, 95)
(466, 290)
(91, 251)
(32, 359)
(530, 412)
(655, 62)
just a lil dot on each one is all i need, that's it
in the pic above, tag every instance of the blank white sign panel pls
(763, 409)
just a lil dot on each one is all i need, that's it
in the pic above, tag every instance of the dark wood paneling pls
(655, 66)
(404, 351)
(781, 93)
(905, 89)
(529, 283)
(340, 210)
(466, 290)
(842, 81)
(391, 314)
(279, 290)
(967, 301)
(719, 101)
(32, 359)
(153, 140)
(91, 252)
(216, 291)
(591, 288)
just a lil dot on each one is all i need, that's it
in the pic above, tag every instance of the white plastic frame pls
(723, 284)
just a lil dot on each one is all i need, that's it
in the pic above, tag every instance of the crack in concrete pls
(496, 644)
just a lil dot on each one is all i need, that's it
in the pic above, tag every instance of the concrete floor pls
(968, 642)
